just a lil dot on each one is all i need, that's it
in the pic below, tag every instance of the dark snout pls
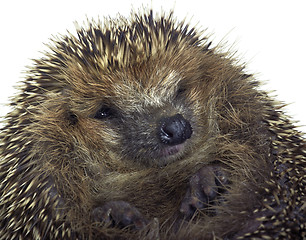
(174, 130)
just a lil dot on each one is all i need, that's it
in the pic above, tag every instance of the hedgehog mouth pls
(171, 150)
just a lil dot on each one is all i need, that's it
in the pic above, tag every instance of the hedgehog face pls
(152, 120)
(142, 93)
(152, 112)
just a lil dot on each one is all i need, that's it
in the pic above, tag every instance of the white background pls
(270, 35)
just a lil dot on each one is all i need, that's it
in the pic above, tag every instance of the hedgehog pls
(139, 128)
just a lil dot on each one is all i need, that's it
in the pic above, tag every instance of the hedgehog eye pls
(180, 92)
(104, 112)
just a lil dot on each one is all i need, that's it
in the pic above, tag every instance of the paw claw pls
(119, 213)
(204, 187)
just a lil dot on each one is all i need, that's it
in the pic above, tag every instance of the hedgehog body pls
(128, 115)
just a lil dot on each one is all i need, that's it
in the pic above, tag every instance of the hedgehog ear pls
(72, 118)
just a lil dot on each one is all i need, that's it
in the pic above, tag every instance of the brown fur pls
(59, 162)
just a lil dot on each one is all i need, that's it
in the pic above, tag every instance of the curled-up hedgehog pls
(139, 129)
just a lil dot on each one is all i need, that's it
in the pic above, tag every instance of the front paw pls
(120, 214)
(204, 187)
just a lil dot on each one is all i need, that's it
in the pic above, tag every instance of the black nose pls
(174, 130)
